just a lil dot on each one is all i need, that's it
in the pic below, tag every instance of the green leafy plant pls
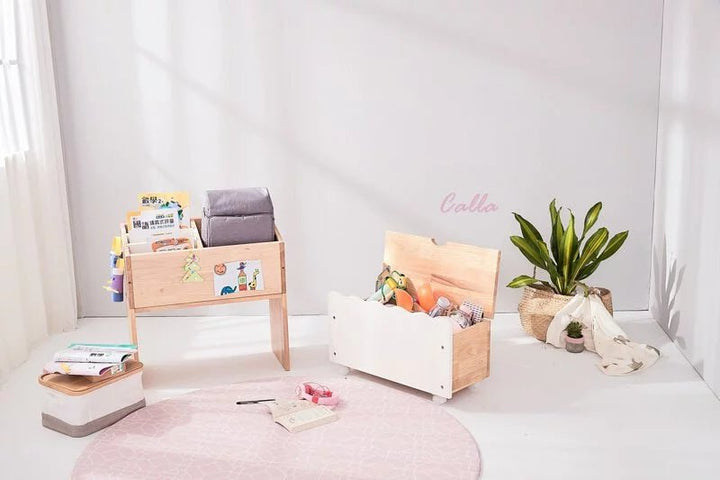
(568, 260)
(574, 329)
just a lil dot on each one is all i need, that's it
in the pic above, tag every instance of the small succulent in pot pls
(574, 340)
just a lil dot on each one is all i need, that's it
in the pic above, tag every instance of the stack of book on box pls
(91, 359)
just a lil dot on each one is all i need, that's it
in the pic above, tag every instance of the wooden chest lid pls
(457, 271)
(80, 385)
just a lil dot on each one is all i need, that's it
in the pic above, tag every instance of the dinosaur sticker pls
(227, 290)
(238, 277)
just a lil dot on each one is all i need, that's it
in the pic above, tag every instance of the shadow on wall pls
(667, 281)
(337, 107)
(688, 174)
(486, 45)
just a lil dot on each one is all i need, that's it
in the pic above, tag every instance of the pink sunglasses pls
(316, 393)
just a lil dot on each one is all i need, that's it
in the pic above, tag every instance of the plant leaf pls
(556, 237)
(545, 254)
(593, 245)
(587, 270)
(576, 241)
(529, 251)
(553, 212)
(528, 229)
(522, 281)
(566, 248)
(613, 245)
(591, 217)
(555, 279)
(550, 264)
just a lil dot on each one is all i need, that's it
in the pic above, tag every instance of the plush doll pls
(387, 284)
(380, 280)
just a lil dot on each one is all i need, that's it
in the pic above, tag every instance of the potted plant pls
(568, 261)
(574, 341)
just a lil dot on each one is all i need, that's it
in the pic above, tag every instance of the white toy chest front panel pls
(387, 341)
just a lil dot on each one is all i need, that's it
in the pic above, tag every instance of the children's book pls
(152, 223)
(96, 355)
(84, 368)
(299, 415)
(179, 201)
(91, 359)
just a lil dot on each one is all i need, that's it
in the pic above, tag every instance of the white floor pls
(542, 414)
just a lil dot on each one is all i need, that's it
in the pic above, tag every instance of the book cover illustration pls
(159, 200)
(237, 277)
(151, 223)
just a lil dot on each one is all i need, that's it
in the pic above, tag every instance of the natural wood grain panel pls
(208, 303)
(77, 385)
(157, 277)
(471, 355)
(279, 337)
(457, 270)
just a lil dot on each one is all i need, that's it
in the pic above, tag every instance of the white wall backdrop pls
(687, 233)
(361, 116)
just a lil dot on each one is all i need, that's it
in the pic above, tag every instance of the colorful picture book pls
(91, 359)
(161, 223)
(153, 222)
(85, 369)
(96, 355)
(178, 201)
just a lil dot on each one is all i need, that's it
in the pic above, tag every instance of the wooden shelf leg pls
(279, 330)
(132, 323)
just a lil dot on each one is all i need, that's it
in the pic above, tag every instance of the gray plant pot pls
(574, 345)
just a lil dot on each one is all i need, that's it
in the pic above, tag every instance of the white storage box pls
(78, 406)
(415, 349)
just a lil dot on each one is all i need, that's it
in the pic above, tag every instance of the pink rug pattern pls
(382, 433)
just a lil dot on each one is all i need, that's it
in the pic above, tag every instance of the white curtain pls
(37, 282)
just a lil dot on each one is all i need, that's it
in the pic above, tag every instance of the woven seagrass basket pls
(539, 305)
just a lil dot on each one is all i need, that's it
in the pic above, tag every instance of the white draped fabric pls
(37, 281)
(618, 355)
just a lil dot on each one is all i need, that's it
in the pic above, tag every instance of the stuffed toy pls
(386, 284)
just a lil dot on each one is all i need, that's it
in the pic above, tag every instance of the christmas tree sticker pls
(192, 267)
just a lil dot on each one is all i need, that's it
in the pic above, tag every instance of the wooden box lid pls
(454, 270)
(80, 385)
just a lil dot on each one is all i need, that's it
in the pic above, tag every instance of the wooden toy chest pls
(78, 406)
(415, 349)
(154, 281)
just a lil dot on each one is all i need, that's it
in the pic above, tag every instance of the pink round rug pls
(382, 433)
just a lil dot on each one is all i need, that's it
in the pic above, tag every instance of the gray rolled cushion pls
(220, 231)
(237, 202)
